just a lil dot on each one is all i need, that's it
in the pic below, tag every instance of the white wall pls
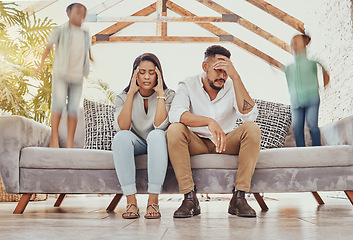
(329, 23)
(182, 60)
(113, 62)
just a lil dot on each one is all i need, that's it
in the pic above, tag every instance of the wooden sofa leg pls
(261, 201)
(22, 204)
(350, 196)
(114, 202)
(318, 198)
(59, 200)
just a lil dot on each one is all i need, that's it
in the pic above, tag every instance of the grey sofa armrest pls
(339, 132)
(16, 133)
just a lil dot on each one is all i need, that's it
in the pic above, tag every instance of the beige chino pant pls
(183, 143)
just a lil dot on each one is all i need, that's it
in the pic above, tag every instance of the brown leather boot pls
(189, 207)
(239, 206)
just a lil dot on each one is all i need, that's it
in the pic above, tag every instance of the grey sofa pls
(28, 166)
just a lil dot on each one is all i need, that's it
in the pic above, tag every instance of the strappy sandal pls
(153, 215)
(129, 214)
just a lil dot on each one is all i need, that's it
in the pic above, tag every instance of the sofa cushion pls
(64, 158)
(274, 120)
(324, 156)
(99, 125)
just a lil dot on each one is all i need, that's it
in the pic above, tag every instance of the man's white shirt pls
(192, 97)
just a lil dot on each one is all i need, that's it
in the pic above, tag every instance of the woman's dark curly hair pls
(146, 57)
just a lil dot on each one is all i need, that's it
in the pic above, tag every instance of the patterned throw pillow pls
(274, 120)
(99, 125)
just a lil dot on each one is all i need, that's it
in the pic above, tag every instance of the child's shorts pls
(66, 94)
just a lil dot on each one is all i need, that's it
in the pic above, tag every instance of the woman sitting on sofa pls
(142, 115)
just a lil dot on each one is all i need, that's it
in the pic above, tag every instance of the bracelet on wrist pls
(160, 97)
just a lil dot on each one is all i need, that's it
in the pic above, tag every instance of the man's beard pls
(215, 87)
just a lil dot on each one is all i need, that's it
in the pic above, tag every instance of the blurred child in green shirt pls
(303, 88)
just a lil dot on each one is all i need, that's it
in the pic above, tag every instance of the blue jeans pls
(311, 115)
(126, 146)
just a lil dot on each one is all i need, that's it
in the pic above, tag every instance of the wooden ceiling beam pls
(39, 5)
(121, 25)
(248, 25)
(154, 39)
(227, 36)
(281, 15)
(104, 6)
(162, 19)
(161, 9)
(164, 14)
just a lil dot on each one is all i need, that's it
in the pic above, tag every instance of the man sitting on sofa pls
(203, 113)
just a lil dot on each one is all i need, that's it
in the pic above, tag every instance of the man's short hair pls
(211, 51)
(69, 8)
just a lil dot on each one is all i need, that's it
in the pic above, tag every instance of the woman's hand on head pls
(159, 87)
(133, 86)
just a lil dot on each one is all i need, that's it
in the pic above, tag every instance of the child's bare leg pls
(71, 129)
(74, 97)
(54, 139)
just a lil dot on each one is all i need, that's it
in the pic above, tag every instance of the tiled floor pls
(291, 216)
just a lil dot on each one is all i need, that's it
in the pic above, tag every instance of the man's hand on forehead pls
(221, 57)
(221, 60)
(224, 63)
